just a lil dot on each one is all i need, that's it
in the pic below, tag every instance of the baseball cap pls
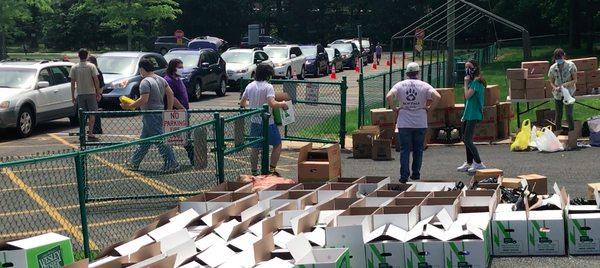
(413, 67)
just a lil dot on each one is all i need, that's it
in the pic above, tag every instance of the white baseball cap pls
(413, 67)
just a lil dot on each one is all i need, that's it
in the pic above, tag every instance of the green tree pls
(17, 10)
(133, 15)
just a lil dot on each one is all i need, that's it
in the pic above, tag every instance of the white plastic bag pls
(533, 139)
(548, 142)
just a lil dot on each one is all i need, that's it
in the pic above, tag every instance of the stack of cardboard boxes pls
(528, 82)
(376, 141)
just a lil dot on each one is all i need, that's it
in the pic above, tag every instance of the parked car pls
(34, 92)
(317, 62)
(163, 44)
(263, 40)
(203, 70)
(368, 51)
(241, 64)
(121, 75)
(349, 52)
(217, 44)
(335, 59)
(288, 60)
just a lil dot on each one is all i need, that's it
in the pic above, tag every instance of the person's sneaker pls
(402, 180)
(93, 139)
(414, 178)
(464, 168)
(475, 167)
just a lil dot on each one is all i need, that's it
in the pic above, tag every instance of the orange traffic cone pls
(332, 75)
(356, 69)
(394, 59)
(374, 66)
(387, 63)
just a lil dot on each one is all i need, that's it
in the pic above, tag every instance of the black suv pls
(203, 70)
(263, 40)
(163, 44)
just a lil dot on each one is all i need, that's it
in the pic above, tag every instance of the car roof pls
(285, 46)
(30, 64)
(189, 51)
(243, 49)
(127, 54)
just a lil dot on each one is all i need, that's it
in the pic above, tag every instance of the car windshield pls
(190, 60)
(117, 65)
(330, 53)
(276, 52)
(309, 50)
(366, 44)
(16, 78)
(244, 57)
(344, 48)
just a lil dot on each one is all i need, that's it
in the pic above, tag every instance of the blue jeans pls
(152, 126)
(411, 139)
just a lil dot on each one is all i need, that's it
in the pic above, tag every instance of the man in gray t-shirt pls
(153, 90)
(415, 98)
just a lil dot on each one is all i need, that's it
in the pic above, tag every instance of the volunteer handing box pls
(319, 164)
(43, 251)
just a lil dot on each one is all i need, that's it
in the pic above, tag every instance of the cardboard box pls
(583, 227)
(483, 174)
(516, 84)
(546, 233)
(371, 183)
(383, 117)
(231, 186)
(362, 144)
(536, 67)
(517, 94)
(455, 115)
(405, 217)
(387, 132)
(436, 118)
(537, 183)
(544, 117)
(349, 234)
(424, 252)
(490, 114)
(447, 100)
(534, 83)
(386, 249)
(503, 127)
(43, 251)
(492, 95)
(516, 74)
(535, 93)
(202, 203)
(586, 64)
(485, 132)
(432, 205)
(590, 190)
(382, 150)
(509, 234)
(319, 165)
(306, 256)
(511, 183)
(504, 111)
(581, 77)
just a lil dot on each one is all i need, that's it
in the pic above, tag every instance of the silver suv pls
(34, 92)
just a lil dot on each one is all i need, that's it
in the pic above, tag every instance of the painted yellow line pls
(248, 163)
(289, 157)
(17, 171)
(160, 186)
(27, 146)
(33, 211)
(52, 212)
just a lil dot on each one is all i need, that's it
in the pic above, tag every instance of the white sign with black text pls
(172, 121)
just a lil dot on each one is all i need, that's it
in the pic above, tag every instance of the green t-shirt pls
(474, 105)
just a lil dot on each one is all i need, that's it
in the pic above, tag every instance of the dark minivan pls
(203, 70)
(163, 44)
(317, 62)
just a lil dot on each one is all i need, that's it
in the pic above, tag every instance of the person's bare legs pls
(275, 155)
(91, 120)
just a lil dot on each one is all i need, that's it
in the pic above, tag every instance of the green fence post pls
(361, 101)
(79, 171)
(220, 139)
(343, 88)
(384, 91)
(82, 121)
(264, 164)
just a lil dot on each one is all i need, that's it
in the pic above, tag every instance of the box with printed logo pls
(583, 229)
(536, 67)
(42, 251)
(509, 233)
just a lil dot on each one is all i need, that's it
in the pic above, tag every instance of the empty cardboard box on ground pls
(362, 141)
(319, 164)
(383, 117)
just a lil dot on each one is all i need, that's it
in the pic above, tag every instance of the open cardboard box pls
(301, 198)
(469, 244)
(277, 189)
(537, 183)
(483, 174)
(306, 256)
(47, 250)
(319, 164)
(405, 217)
(231, 186)
(384, 246)
(372, 183)
(329, 210)
(202, 203)
(417, 194)
(428, 186)
(546, 228)
(394, 186)
(509, 232)
(473, 201)
(385, 193)
(349, 180)
(336, 189)
(583, 228)
(432, 205)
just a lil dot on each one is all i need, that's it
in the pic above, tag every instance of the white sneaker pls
(476, 166)
(464, 168)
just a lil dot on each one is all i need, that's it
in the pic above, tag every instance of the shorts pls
(87, 102)
(378, 56)
(274, 136)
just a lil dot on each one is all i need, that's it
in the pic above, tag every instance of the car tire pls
(163, 51)
(74, 121)
(327, 70)
(25, 122)
(222, 89)
(288, 74)
(195, 91)
(301, 76)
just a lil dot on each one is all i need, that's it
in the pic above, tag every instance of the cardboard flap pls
(474, 229)
(244, 241)
(185, 217)
(216, 255)
(263, 248)
(145, 252)
(305, 221)
(417, 230)
(208, 240)
(225, 229)
(303, 154)
(282, 237)
(317, 236)
(133, 245)
(299, 247)
(444, 218)
(436, 232)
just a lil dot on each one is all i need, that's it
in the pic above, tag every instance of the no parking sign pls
(172, 121)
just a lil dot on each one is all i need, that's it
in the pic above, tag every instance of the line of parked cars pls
(32, 92)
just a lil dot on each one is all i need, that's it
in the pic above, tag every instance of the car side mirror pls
(293, 56)
(43, 84)
(204, 65)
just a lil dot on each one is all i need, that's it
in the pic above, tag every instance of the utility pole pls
(360, 47)
(450, 28)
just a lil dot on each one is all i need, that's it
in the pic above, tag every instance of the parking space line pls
(289, 157)
(51, 210)
(160, 186)
(33, 211)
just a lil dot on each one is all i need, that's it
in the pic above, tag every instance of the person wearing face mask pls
(562, 73)
(474, 91)
(181, 101)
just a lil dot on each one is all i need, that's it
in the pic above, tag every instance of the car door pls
(321, 58)
(265, 58)
(214, 69)
(204, 71)
(298, 61)
(47, 98)
(64, 103)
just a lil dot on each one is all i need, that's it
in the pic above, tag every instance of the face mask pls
(179, 71)
(470, 72)
(560, 61)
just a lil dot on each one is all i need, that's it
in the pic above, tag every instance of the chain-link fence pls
(100, 196)
(320, 109)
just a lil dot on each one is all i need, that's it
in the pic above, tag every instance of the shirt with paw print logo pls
(412, 96)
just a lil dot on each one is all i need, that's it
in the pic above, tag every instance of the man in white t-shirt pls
(415, 97)
(257, 94)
